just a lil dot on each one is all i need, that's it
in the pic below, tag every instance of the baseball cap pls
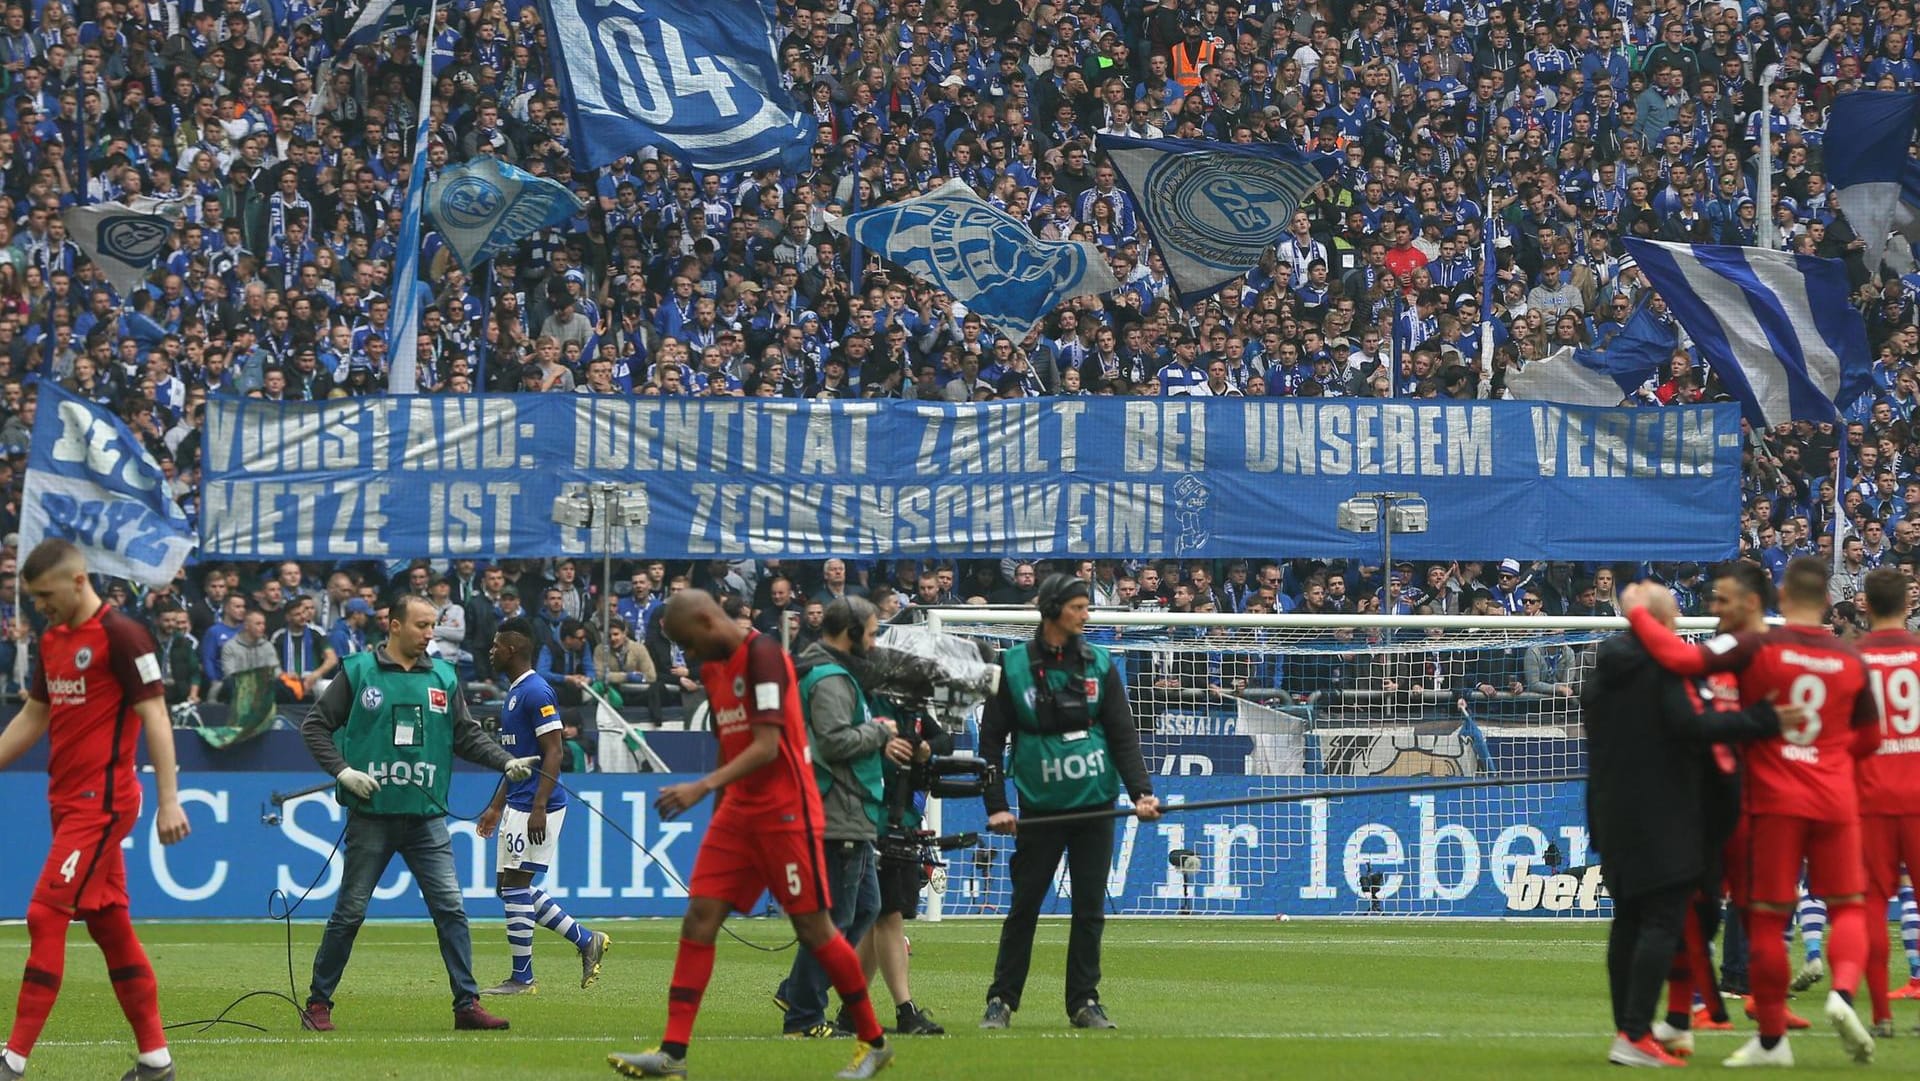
(358, 607)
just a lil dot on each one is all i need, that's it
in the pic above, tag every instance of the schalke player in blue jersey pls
(528, 815)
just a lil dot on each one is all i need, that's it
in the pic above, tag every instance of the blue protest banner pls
(444, 477)
(90, 481)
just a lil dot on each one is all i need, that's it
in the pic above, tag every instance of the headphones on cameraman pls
(1056, 591)
(848, 616)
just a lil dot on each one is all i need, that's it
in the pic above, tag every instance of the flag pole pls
(403, 319)
(480, 348)
(1488, 255)
(1839, 496)
(853, 240)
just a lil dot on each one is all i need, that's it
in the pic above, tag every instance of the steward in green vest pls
(1061, 725)
(847, 744)
(387, 730)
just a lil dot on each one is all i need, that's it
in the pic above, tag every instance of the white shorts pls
(515, 851)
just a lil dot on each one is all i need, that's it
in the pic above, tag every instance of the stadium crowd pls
(1576, 123)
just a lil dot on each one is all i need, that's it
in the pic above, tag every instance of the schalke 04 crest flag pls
(121, 240)
(485, 206)
(697, 79)
(1213, 209)
(90, 481)
(982, 255)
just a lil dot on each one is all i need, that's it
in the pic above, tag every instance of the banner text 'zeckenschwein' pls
(476, 476)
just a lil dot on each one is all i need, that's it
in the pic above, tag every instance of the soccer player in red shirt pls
(766, 833)
(98, 673)
(1890, 778)
(1800, 800)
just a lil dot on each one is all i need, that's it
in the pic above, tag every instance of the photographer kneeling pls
(849, 745)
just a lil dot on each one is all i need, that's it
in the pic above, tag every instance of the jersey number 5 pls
(1898, 694)
(793, 880)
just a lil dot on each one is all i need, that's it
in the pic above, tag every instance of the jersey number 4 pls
(1898, 693)
(70, 865)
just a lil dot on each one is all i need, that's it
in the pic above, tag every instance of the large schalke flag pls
(982, 255)
(122, 240)
(695, 78)
(485, 206)
(1213, 208)
(90, 481)
(1873, 177)
(1777, 328)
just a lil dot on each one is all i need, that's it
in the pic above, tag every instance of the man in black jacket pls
(1661, 802)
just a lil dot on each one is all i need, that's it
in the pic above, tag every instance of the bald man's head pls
(695, 620)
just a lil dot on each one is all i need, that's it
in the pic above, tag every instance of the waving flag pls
(696, 78)
(486, 206)
(122, 241)
(1562, 376)
(1777, 328)
(981, 255)
(1874, 179)
(1213, 208)
(377, 18)
(91, 482)
(403, 319)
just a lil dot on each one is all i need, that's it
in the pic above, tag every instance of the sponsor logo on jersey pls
(733, 715)
(1811, 662)
(548, 711)
(82, 657)
(63, 692)
(371, 698)
(436, 700)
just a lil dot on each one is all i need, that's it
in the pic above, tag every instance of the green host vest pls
(869, 770)
(401, 732)
(1058, 771)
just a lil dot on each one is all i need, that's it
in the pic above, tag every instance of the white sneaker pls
(1812, 972)
(1752, 1054)
(1846, 1023)
(1677, 1041)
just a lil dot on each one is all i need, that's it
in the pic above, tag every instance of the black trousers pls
(1088, 847)
(1647, 931)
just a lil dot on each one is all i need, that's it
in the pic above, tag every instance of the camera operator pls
(902, 872)
(1063, 706)
(849, 748)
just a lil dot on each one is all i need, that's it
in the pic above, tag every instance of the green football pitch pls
(1199, 999)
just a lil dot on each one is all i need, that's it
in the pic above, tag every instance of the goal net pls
(1234, 706)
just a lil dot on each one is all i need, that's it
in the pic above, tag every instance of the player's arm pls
(757, 755)
(1123, 743)
(1866, 723)
(767, 679)
(553, 747)
(24, 730)
(995, 724)
(470, 741)
(170, 820)
(327, 716)
(1723, 653)
(136, 667)
(1683, 716)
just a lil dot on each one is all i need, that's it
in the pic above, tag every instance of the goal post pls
(1327, 708)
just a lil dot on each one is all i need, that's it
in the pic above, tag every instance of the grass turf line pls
(1195, 999)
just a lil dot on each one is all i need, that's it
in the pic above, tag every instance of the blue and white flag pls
(698, 79)
(377, 18)
(982, 255)
(1868, 133)
(1564, 376)
(122, 241)
(486, 206)
(1778, 329)
(91, 482)
(1212, 208)
(403, 319)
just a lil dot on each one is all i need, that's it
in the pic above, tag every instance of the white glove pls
(357, 784)
(521, 768)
